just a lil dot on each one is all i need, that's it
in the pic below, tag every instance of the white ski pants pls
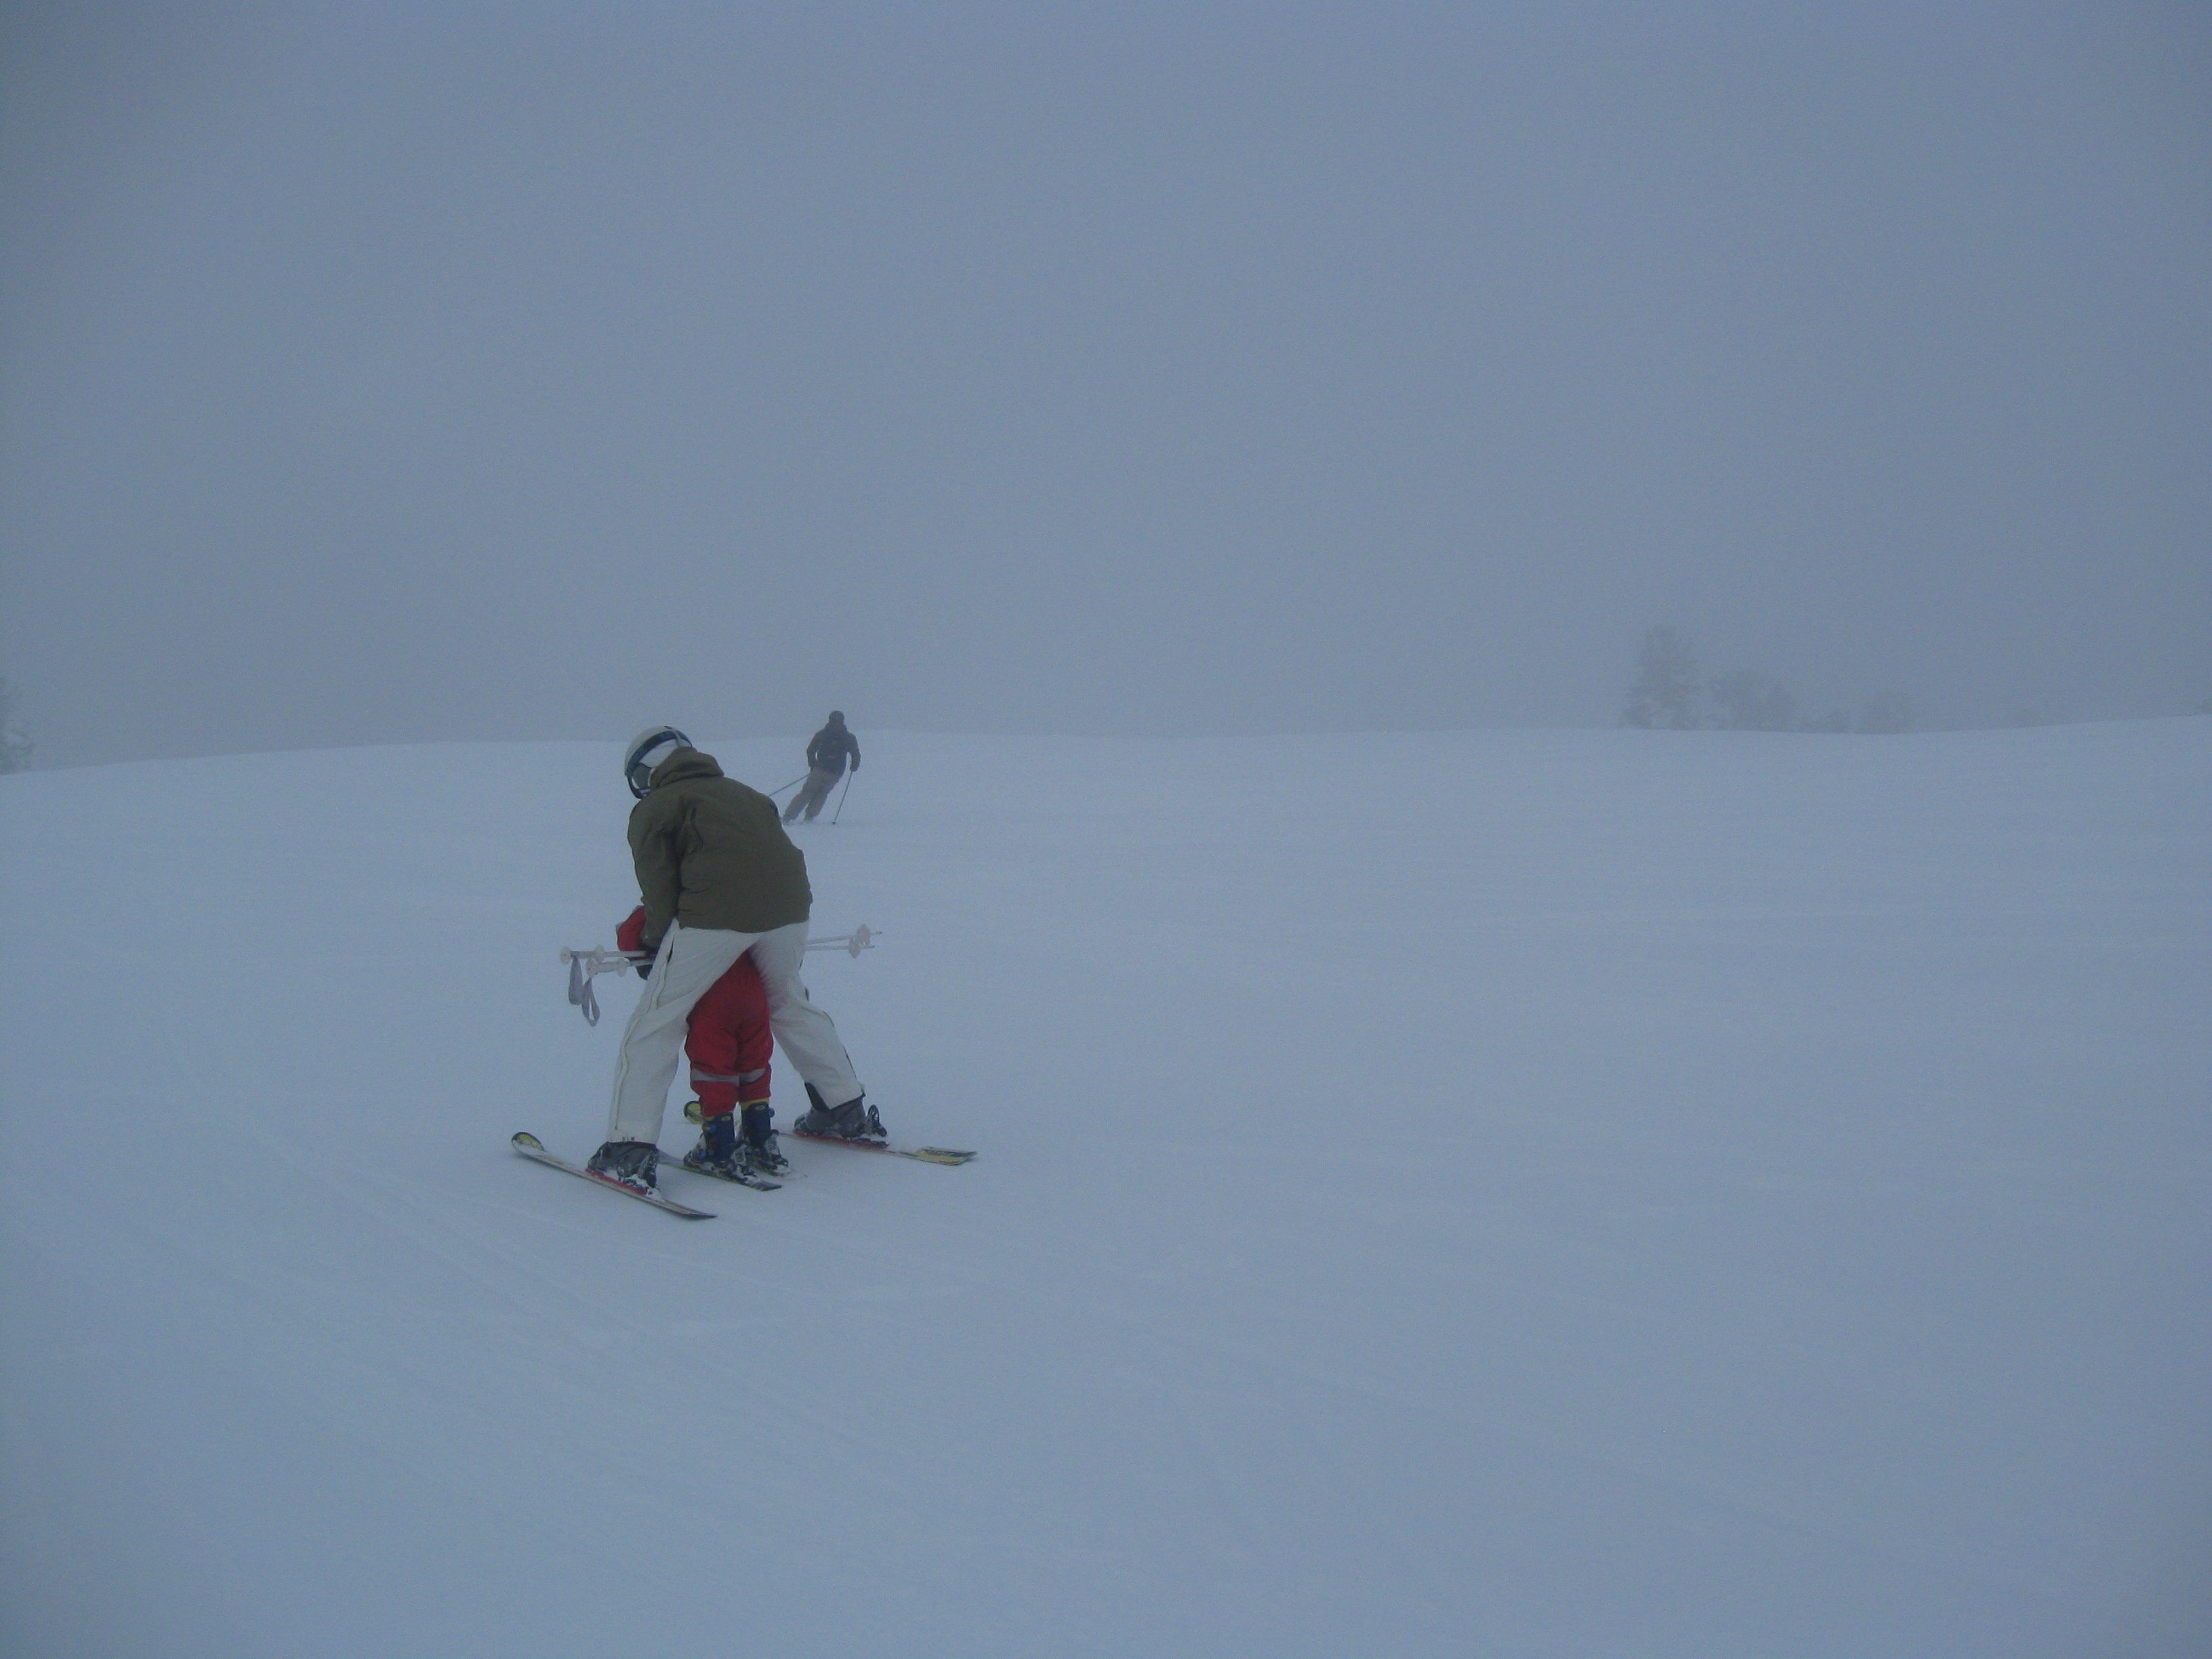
(690, 960)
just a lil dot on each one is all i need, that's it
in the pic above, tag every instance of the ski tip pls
(527, 1141)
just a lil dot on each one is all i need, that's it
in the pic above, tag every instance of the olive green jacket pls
(711, 852)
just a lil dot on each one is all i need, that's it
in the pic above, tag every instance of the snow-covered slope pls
(1511, 1194)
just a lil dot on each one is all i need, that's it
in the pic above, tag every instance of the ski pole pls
(598, 960)
(585, 966)
(841, 793)
(780, 787)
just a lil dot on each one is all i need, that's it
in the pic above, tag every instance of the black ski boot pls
(854, 1121)
(757, 1141)
(633, 1162)
(717, 1152)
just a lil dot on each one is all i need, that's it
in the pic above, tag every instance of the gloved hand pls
(630, 936)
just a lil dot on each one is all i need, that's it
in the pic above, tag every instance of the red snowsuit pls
(728, 1041)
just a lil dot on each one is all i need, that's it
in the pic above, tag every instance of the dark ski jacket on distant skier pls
(711, 852)
(830, 745)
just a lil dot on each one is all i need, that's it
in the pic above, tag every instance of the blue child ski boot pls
(757, 1141)
(717, 1152)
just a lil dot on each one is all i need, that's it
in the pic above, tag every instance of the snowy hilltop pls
(1515, 1194)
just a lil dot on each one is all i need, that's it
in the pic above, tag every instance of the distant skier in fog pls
(825, 764)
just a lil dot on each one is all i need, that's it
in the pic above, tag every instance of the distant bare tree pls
(1745, 699)
(15, 747)
(1886, 711)
(1665, 690)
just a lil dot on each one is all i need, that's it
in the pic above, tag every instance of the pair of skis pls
(531, 1148)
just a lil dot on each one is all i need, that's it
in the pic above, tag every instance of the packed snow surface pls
(1552, 1193)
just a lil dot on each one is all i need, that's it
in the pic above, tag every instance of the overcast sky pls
(383, 372)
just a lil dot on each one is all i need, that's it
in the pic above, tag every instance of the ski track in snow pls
(1528, 1194)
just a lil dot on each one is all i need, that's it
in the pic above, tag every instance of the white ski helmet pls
(646, 750)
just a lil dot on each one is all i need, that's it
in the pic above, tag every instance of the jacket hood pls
(685, 763)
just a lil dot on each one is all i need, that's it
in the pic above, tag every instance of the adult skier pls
(825, 764)
(720, 881)
(727, 1040)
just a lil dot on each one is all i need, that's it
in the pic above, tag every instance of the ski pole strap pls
(585, 966)
(580, 994)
